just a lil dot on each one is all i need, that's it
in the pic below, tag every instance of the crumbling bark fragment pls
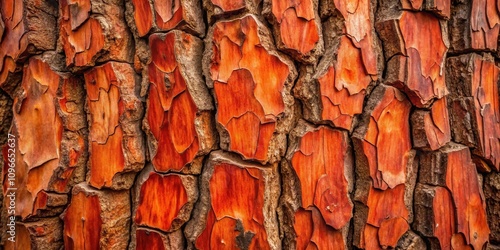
(249, 96)
(179, 120)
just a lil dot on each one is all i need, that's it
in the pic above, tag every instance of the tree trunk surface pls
(250, 124)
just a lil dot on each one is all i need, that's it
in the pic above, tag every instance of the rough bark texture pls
(250, 124)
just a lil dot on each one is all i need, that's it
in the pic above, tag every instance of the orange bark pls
(114, 134)
(387, 159)
(166, 15)
(319, 163)
(172, 112)
(297, 29)
(48, 147)
(169, 193)
(247, 93)
(87, 39)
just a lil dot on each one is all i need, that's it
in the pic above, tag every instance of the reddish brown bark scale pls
(478, 99)
(431, 129)
(50, 148)
(237, 208)
(386, 158)
(114, 110)
(452, 167)
(343, 86)
(319, 164)
(87, 39)
(23, 35)
(415, 66)
(296, 27)
(248, 95)
(165, 15)
(95, 219)
(180, 123)
(173, 192)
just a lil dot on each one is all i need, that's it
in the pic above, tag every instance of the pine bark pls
(250, 124)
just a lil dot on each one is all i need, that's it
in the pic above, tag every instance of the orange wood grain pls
(319, 165)
(169, 193)
(82, 223)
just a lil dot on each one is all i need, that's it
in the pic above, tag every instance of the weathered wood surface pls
(250, 124)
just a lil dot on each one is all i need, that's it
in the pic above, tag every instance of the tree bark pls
(250, 124)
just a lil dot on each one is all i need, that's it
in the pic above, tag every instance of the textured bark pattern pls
(250, 124)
